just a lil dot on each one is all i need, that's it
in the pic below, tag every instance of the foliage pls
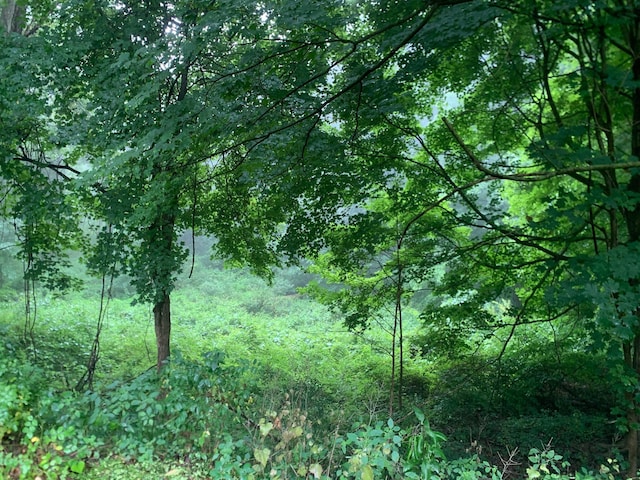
(484, 152)
(32, 447)
(525, 399)
(16, 392)
(115, 428)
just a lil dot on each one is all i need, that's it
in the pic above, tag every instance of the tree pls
(499, 139)
(198, 115)
(563, 80)
(134, 104)
(160, 101)
(537, 158)
(33, 167)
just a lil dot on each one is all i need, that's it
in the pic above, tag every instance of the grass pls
(298, 343)
(298, 350)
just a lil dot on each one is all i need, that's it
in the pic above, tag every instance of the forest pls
(320, 239)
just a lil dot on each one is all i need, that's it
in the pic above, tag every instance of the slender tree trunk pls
(165, 226)
(632, 438)
(632, 220)
(162, 323)
(11, 16)
(632, 415)
(163, 229)
(162, 308)
(13, 19)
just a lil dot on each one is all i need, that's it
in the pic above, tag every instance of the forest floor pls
(301, 396)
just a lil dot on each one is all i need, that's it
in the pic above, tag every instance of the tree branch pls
(536, 176)
(55, 167)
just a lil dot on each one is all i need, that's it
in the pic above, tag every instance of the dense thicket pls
(484, 152)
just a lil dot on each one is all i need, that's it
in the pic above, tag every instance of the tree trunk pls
(163, 228)
(632, 220)
(632, 444)
(162, 322)
(631, 440)
(13, 19)
(11, 16)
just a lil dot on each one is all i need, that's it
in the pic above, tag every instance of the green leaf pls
(77, 466)
(262, 455)
(367, 473)
(265, 428)
(316, 470)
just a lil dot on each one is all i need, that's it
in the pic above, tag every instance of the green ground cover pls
(266, 383)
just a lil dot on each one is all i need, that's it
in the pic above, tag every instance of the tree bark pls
(163, 228)
(11, 16)
(13, 19)
(162, 323)
(632, 441)
(632, 220)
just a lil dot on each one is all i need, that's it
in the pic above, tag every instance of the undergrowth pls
(292, 396)
(202, 419)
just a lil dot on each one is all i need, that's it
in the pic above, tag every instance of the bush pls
(31, 447)
(21, 384)
(201, 419)
(525, 400)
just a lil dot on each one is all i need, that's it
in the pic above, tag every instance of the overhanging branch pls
(61, 169)
(534, 176)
